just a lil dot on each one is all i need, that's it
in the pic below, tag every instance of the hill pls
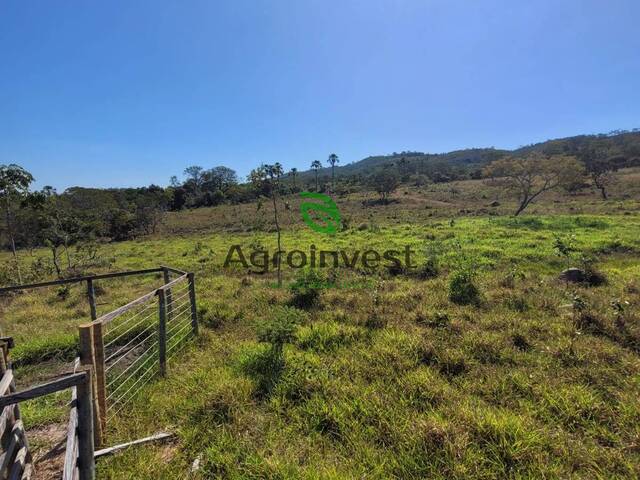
(619, 142)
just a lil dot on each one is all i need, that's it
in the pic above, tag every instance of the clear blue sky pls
(128, 93)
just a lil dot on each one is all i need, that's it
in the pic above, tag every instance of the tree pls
(266, 178)
(60, 228)
(14, 187)
(219, 178)
(316, 165)
(600, 167)
(532, 175)
(385, 183)
(293, 173)
(333, 159)
(194, 177)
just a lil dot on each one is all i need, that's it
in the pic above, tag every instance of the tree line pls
(71, 223)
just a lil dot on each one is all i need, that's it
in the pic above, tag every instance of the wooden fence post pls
(87, 359)
(162, 332)
(192, 299)
(86, 434)
(91, 294)
(167, 279)
(99, 370)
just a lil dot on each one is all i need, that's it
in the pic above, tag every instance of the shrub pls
(462, 288)
(281, 327)
(307, 288)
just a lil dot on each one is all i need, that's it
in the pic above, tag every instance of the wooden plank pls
(44, 389)
(153, 438)
(173, 282)
(6, 420)
(18, 465)
(12, 413)
(28, 471)
(7, 457)
(125, 308)
(71, 452)
(5, 383)
(173, 270)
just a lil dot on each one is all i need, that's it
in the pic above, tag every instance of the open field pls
(385, 376)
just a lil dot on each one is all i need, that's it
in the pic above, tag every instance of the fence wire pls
(132, 344)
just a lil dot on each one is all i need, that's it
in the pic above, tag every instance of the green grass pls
(388, 378)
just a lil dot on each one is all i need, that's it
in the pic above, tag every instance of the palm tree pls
(276, 170)
(333, 159)
(293, 173)
(316, 165)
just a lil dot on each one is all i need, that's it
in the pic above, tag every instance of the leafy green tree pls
(195, 178)
(14, 187)
(219, 178)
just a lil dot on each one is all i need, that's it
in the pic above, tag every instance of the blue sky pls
(128, 93)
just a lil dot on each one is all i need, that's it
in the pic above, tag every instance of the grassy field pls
(389, 374)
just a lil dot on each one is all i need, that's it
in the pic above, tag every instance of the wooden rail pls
(80, 428)
(88, 413)
(65, 281)
(15, 458)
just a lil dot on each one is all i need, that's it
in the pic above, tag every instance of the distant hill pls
(625, 143)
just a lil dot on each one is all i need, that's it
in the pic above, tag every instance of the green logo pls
(322, 217)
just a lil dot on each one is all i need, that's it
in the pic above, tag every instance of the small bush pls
(307, 288)
(280, 328)
(462, 288)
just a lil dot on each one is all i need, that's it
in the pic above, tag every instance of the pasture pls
(387, 374)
